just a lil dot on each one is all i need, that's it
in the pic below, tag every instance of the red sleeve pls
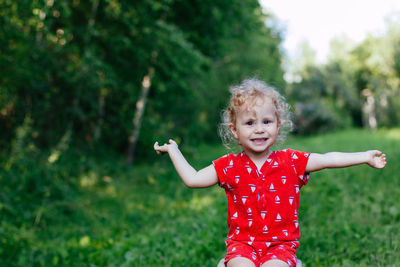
(220, 167)
(299, 161)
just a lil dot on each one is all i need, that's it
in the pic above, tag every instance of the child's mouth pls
(258, 141)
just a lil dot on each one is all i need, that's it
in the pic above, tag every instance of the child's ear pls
(233, 130)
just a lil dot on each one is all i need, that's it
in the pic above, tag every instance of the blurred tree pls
(357, 86)
(76, 68)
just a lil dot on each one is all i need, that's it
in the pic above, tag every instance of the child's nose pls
(259, 127)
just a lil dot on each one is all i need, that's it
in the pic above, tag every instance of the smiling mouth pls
(259, 140)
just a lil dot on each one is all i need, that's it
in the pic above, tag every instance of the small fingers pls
(376, 152)
(158, 148)
(382, 159)
(172, 141)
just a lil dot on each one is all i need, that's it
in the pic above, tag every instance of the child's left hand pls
(377, 159)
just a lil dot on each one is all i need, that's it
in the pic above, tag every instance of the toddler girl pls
(262, 185)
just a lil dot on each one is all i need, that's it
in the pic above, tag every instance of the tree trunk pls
(100, 120)
(140, 107)
(369, 110)
(137, 120)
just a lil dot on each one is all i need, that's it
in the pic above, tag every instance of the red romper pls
(263, 205)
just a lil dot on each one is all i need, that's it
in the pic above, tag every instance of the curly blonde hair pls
(247, 94)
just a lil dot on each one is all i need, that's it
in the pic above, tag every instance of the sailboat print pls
(263, 214)
(252, 187)
(237, 178)
(271, 188)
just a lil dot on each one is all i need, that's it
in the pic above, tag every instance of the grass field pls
(145, 216)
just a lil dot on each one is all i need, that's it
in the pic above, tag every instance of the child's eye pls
(249, 123)
(267, 122)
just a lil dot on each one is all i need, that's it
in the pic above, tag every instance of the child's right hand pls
(165, 148)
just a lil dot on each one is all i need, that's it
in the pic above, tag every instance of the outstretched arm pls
(194, 179)
(373, 158)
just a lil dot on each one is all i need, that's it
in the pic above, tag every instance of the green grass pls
(145, 216)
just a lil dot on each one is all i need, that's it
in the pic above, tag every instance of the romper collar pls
(251, 166)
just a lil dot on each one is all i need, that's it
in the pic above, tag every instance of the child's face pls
(256, 127)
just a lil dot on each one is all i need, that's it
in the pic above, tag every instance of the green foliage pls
(357, 83)
(86, 210)
(77, 67)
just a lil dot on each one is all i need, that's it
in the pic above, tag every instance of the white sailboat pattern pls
(285, 232)
(265, 229)
(294, 169)
(252, 187)
(230, 164)
(291, 200)
(278, 218)
(244, 198)
(275, 165)
(234, 216)
(277, 200)
(251, 240)
(283, 178)
(268, 244)
(248, 168)
(234, 199)
(263, 213)
(294, 156)
(249, 212)
(271, 188)
(237, 179)
(250, 221)
(237, 230)
(297, 188)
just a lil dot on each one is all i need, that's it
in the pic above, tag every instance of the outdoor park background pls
(87, 87)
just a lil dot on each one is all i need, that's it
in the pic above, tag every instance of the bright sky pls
(318, 21)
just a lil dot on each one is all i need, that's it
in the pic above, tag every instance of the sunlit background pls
(318, 22)
(87, 87)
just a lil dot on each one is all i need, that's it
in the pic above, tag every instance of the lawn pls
(145, 216)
